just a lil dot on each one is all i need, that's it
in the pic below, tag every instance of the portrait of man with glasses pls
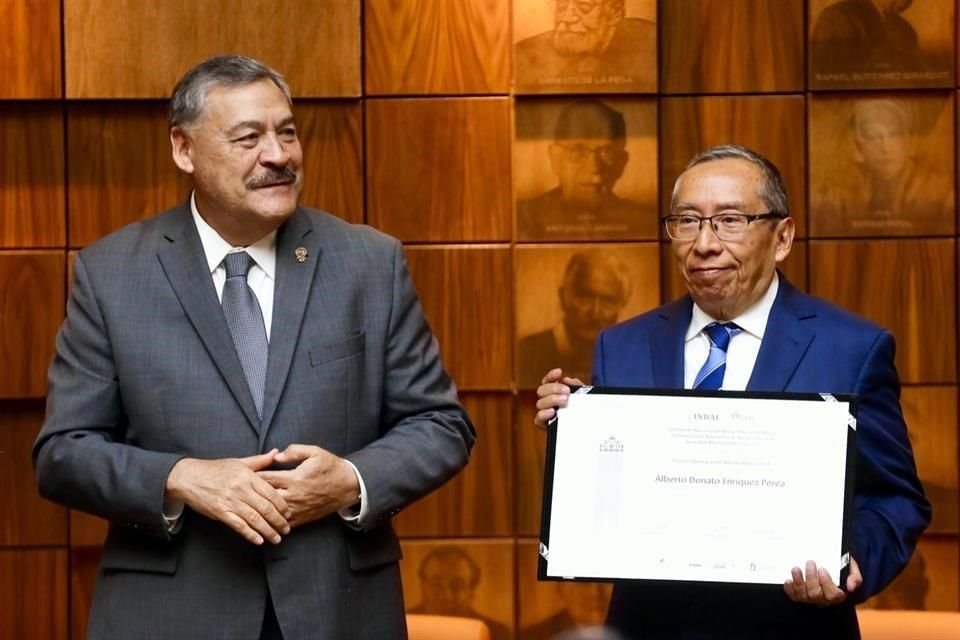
(588, 157)
(743, 326)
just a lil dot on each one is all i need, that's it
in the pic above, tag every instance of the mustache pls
(284, 175)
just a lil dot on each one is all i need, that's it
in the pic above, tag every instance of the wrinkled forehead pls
(261, 101)
(730, 183)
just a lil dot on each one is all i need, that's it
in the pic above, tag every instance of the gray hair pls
(186, 103)
(773, 191)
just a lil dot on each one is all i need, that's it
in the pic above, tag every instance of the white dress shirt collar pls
(263, 251)
(753, 320)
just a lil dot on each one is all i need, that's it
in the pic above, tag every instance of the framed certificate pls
(697, 486)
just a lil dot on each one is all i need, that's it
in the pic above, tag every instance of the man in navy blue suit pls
(729, 227)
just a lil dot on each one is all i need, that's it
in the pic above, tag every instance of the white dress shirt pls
(744, 346)
(261, 279)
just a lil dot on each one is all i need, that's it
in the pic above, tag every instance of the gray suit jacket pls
(146, 373)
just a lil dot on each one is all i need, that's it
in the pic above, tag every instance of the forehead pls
(260, 101)
(720, 182)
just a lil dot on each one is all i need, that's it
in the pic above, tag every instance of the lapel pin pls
(301, 254)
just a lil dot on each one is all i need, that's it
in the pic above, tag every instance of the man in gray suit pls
(248, 391)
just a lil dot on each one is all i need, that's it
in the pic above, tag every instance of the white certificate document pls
(732, 487)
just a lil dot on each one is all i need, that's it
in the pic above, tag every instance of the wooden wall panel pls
(120, 168)
(32, 210)
(564, 46)
(549, 608)
(530, 448)
(691, 125)
(794, 268)
(33, 590)
(30, 49)
(466, 578)
(852, 46)
(147, 47)
(84, 565)
(577, 178)
(332, 137)
(439, 170)
(906, 286)
(477, 502)
(731, 46)
(882, 164)
(31, 310)
(436, 46)
(558, 319)
(457, 286)
(931, 415)
(26, 519)
(86, 530)
(931, 581)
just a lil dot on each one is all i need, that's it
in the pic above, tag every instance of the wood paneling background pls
(414, 119)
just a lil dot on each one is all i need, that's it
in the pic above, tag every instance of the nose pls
(566, 12)
(274, 151)
(707, 240)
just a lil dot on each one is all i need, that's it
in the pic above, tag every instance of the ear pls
(556, 158)
(182, 148)
(785, 232)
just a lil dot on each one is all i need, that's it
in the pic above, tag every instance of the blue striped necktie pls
(245, 320)
(710, 377)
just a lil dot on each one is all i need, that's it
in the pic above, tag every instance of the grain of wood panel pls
(84, 566)
(30, 49)
(566, 294)
(32, 212)
(906, 286)
(119, 167)
(882, 164)
(148, 46)
(479, 500)
(930, 582)
(466, 296)
(731, 46)
(691, 125)
(438, 170)
(852, 47)
(31, 309)
(33, 590)
(794, 268)
(26, 519)
(86, 530)
(332, 138)
(549, 608)
(931, 415)
(467, 578)
(530, 452)
(437, 46)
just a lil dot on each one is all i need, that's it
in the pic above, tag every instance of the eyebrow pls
(723, 206)
(256, 124)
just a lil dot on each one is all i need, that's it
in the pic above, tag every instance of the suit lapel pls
(667, 344)
(291, 294)
(185, 265)
(785, 340)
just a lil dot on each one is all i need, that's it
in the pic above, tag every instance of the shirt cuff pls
(172, 515)
(356, 515)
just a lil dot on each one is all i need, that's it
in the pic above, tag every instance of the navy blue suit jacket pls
(809, 346)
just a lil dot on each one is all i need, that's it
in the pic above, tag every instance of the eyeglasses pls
(728, 225)
(579, 153)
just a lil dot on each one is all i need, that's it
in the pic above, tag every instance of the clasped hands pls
(262, 504)
(811, 585)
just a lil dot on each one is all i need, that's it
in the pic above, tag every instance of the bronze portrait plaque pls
(586, 169)
(881, 165)
(550, 608)
(461, 579)
(585, 46)
(567, 293)
(881, 43)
